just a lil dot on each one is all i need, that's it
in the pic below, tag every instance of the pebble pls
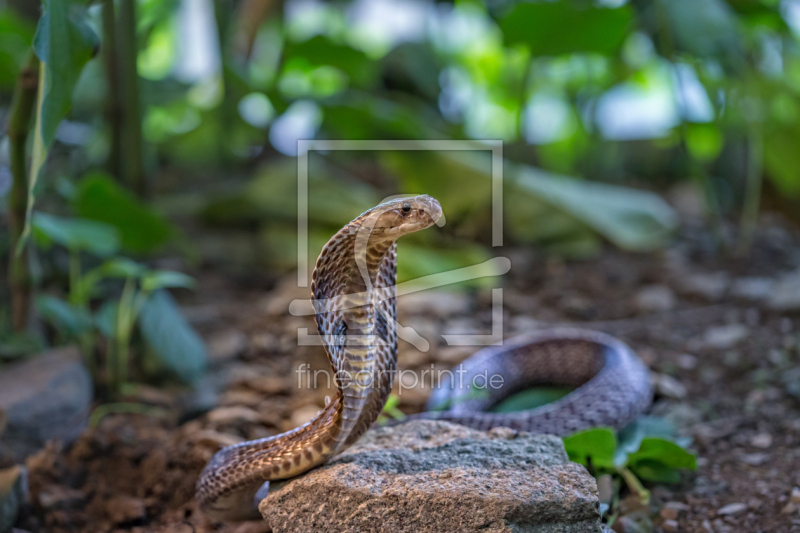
(712, 287)
(226, 345)
(725, 337)
(655, 298)
(753, 289)
(668, 386)
(753, 459)
(762, 440)
(687, 361)
(786, 293)
(672, 510)
(670, 526)
(732, 508)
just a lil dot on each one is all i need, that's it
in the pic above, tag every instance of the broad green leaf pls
(631, 436)
(141, 229)
(564, 27)
(76, 234)
(166, 279)
(782, 159)
(596, 445)
(320, 51)
(64, 42)
(69, 320)
(16, 34)
(122, 267)
(631, 219)
(171, 338)
(662, 451)
(654, 471)
(531, 399)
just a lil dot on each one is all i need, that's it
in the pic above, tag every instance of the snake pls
(353, 286)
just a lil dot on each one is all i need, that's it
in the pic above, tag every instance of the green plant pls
(645, 451)
(140, 302)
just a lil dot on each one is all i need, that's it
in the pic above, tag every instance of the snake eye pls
(406, 208)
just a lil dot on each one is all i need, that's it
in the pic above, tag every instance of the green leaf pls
(597, 444)
(321, 50)
(69, 320)
(564, 27)
(165, 279)
(662, 451)
(19, 345)
(64, 42)
(171, 338)
(631, 219)
(141, 229)
(656, 472)
(16, 34)
(531, 399)
(76, 234)
(631, 436)
(122, 267)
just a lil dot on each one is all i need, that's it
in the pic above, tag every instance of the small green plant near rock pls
(93, 310)
(644, 451)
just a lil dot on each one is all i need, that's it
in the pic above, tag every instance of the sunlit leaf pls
(563, 27)
(171, 338)
(595, 445)
(663, 451)
(166, 279)
(121, 267)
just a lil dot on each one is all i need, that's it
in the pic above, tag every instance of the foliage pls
(646, 450)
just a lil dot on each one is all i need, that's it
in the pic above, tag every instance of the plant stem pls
(752, 192)
(132, 163)
(635, 485)
(113, 103)
(22, 106)
(124, 329)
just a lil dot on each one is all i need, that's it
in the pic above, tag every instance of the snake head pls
(402, 216)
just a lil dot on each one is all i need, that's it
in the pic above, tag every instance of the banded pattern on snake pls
(353, 286)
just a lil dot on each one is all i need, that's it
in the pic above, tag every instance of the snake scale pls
(353, 286)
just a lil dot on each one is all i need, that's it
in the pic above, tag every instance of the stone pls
(45, 397)
(668, 386)
(753, 289)
(710, 286)
(732, 508)
(226, 346)
(430, 476)
(725, 337)
(786, 293)
(655, 298)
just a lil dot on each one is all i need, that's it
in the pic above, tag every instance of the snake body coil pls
(354, 297)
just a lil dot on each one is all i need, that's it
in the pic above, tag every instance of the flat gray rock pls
(44, 397)
(430, 476)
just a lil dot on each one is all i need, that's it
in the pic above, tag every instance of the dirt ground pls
(702, 319)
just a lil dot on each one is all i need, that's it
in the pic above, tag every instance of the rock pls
(655, 298)
(725, 337)
(686, 361)
(762, 440)
(226, 346)
(668, 386)
(753, 459)
(711, 287)
(732, 508)
(45, 397)
(672, 510)
(13, 494)
(753, 289)
(786, 293)
(426, 476)
(795, 496)
(670, 526)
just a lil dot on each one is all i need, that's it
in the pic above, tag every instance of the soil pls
(734, 364)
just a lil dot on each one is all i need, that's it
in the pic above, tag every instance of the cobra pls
(353, 286)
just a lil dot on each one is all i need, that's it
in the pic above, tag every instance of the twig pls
(22, 107)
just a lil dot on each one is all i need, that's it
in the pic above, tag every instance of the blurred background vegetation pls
(145, 138)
